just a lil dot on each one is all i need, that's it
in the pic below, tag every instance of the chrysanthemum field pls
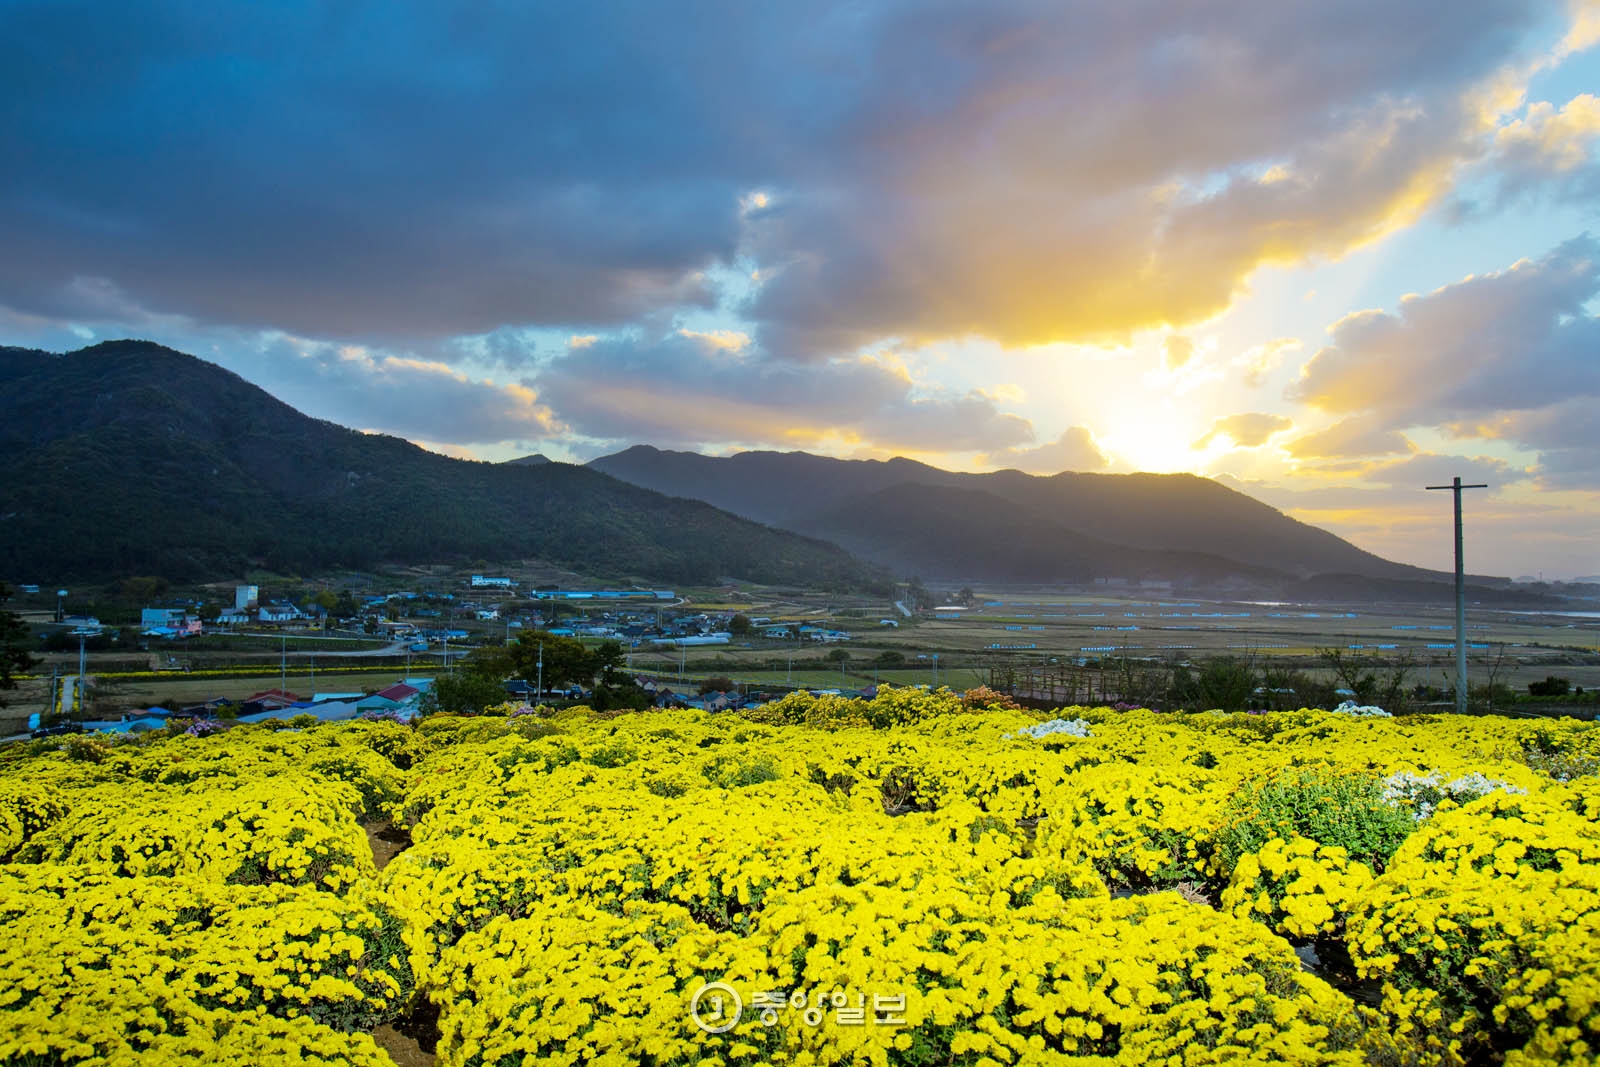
(911, 880)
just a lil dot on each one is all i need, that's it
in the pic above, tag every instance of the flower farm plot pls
(910, 880)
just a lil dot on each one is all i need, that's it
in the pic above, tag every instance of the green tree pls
(606, 660)
(142, 590)
(345, 606)
(565, 659)
(740, 626)
(466, 692)
(15, 640)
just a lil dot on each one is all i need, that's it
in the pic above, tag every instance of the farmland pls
(915, 879)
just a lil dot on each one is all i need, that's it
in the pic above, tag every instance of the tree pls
(891, 658)
(14, 643)
(345, 606)
(607, 657)
(466, 692)
(918, 594)
(740, 626)
(717, 684)
(565, 659)
(142, 589)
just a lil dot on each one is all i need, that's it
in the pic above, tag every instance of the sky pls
(1329, 254)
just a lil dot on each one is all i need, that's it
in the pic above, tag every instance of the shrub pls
(1347, 810)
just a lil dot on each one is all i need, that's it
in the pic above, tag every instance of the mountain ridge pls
(1159, 526)
(128, 457)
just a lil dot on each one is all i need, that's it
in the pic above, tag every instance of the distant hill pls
(534, 460)
(950, 526)
(130, 458)
(962, 534)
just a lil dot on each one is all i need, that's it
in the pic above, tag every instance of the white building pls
(484, 581)
(246, 597)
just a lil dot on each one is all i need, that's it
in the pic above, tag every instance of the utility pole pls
(283, 666)
(78, 704)
(541, 672)
(1461, 598)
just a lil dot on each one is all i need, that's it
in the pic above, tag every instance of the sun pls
(1158, 439)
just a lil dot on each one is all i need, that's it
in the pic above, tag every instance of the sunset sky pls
(1329, 253)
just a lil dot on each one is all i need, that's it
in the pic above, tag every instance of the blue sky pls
(1328, 253)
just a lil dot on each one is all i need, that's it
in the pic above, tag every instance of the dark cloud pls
(691, 389)
(403, 172)
(1567, 438)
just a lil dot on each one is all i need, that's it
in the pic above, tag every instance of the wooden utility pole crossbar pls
(1461, 598)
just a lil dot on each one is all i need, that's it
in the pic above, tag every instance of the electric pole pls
(1461, 598)
(78, 704)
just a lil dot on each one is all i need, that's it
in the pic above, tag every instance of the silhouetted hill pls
(960, 534)
(130, 458)
(1187, 525)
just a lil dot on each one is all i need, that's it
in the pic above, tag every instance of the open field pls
(1000, 627)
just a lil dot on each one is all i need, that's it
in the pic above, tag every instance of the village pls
(433, 629)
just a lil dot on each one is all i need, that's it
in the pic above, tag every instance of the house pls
(267, 700)
(233, 617)
(328, 711)
(279, 612)
(376, 705)
(127, 725)
(484, 581)
(487, 614)
(168, 622)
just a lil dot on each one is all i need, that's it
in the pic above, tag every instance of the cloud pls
(1549, 148)
(1246, 430)
(687, 389)
(1514, 340)
(1258, 361)
(1075, 450)
(1357, 436)
(1024, 172)
(1176, 351)
(426, 401)
(1566, 436)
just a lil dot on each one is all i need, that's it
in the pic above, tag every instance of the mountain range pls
(130, 458)
(1008, 526)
